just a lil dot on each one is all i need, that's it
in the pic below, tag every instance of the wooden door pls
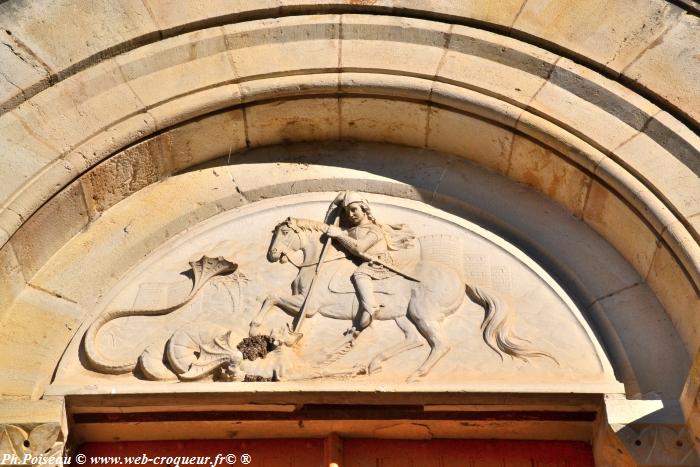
(349, 452)
(465, 453)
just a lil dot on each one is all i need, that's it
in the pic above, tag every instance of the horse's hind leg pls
(412, 339)
(430, 329)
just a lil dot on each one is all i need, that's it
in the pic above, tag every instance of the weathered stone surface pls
(621, 226)
(22, 154)
(495, 65)
(21, 75)
(178, 66)
(549, 173)
(669, 67)
(605, 33)
(383, 120)
(54, 30)
(503, 13)
(580, 116)
(364, 46)
(124, 174)
(637, 308)
(91, 101)
(204, 139)
(550, 134)
(110, 141)
(29, 352)
(278, 87)
(123, 235)
(669, 175)
(12, 281)
(296, 120)
(678, 296)
(50, 228)
(32, 413)
(174, 16)
(288, 45)
(471, 138)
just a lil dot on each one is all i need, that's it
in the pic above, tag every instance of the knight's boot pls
(368, 304)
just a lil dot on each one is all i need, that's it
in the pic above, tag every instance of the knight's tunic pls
(372, 235)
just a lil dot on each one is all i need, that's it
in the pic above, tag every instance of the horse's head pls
(285, 240)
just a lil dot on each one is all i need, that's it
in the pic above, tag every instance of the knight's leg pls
(365, 295)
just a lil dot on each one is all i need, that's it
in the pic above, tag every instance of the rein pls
(300, 266)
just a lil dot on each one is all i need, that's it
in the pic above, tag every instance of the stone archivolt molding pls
(418, 83)
(439, 77)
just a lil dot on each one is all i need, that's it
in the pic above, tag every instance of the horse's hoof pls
(416, 376)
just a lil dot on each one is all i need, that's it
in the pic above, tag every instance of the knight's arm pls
(357, 247)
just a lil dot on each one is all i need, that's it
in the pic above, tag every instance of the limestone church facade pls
(376, 232)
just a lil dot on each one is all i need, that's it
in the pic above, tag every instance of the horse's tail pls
(496, 327)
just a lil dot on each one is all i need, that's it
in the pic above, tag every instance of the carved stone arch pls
(99, 124)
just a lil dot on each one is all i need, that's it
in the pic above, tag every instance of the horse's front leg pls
(290, 304)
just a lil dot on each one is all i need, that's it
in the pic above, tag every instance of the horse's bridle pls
(286, 243)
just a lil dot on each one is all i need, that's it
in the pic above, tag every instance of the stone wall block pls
(383, 120)
(194, 105)
(65, 34)
(636, 308)
(471, 138)
(11, 278)
(501, 14)
(21, 75)
(617, 222)
(292, 120)
(22, 155)
(43, 187)
(175, 16)
(475, 103)
(203, 139)
(603, 32)
(668, 176)
(33, 337)
(288, 45)
(579, 116)
(178, 66)
(407, 45)
(124, 174)
(669, 66)
(50, 228)
(634, 192)
(75, 109)
(378, 84)
(549, 173)
(677, 294)
(111, 141)
(10, 221)
(495, 65)
(560, 140)
(686, 247)
(295, 86)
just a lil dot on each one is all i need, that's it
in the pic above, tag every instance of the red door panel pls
(262, 452)
(465, 453)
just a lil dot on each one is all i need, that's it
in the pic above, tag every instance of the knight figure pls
(373, 246)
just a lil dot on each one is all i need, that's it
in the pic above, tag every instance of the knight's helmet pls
(346, 198)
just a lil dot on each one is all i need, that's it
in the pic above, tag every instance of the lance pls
(331, 216)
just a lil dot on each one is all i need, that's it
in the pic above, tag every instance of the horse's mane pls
(308, 225)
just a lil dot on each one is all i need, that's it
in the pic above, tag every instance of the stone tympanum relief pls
(380, 290)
